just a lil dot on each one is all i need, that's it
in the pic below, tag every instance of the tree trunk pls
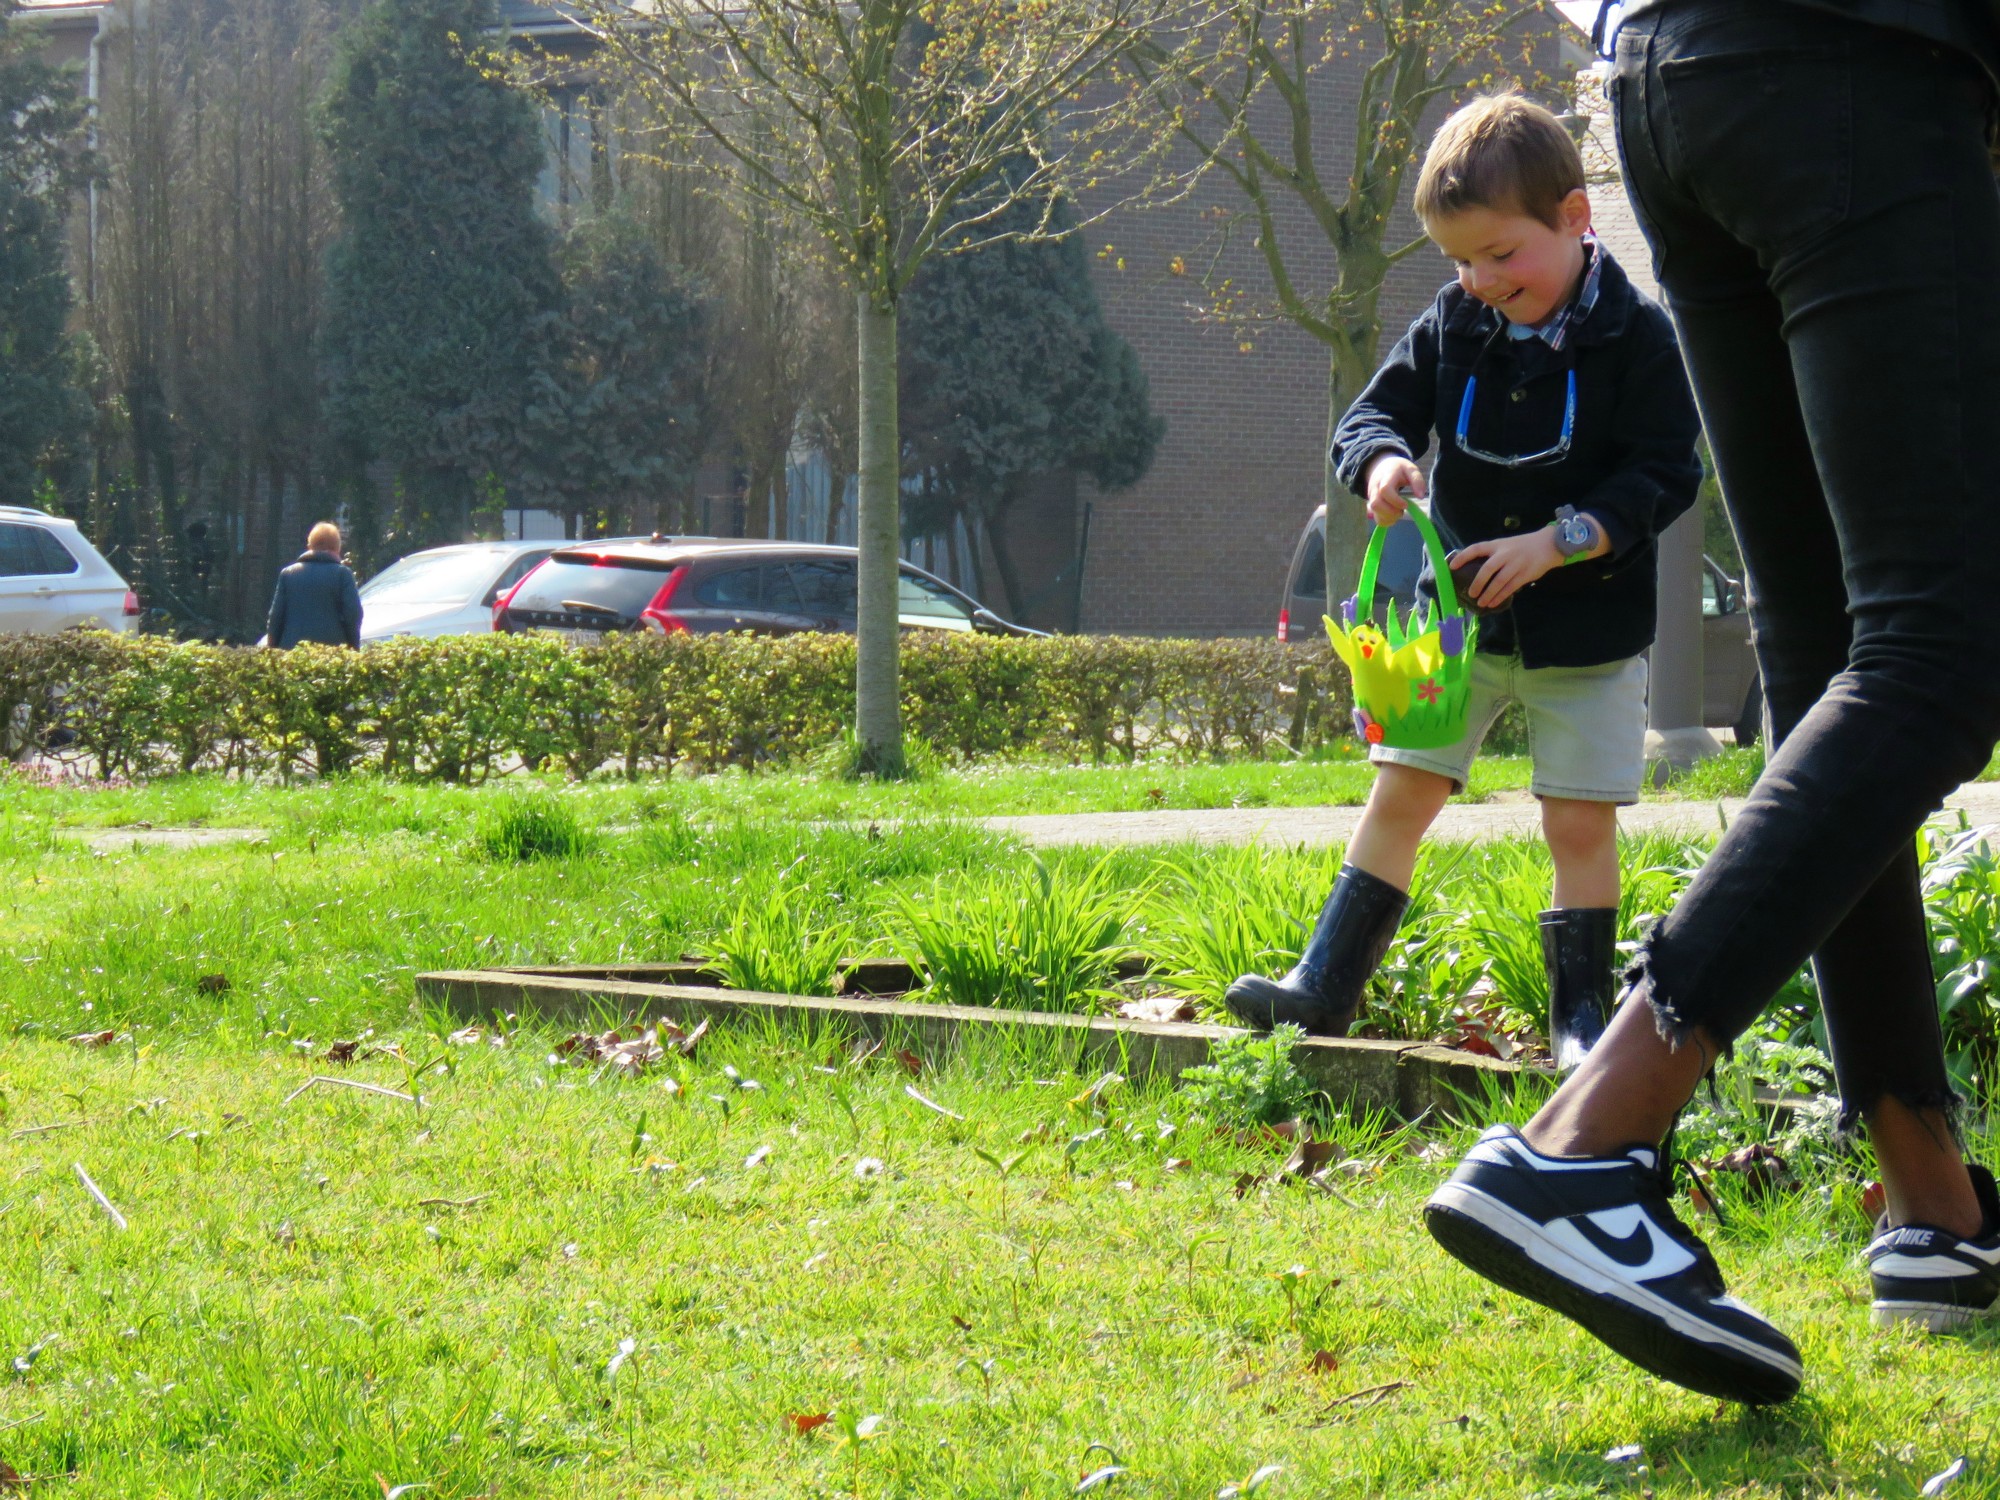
(878, 718)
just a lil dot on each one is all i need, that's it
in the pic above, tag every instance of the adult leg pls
(1821, 857)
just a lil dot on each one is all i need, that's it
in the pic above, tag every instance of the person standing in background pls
(316, 598)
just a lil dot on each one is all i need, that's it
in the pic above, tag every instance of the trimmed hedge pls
(463, 708)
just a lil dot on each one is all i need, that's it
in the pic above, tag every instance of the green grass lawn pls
(368, 803)
(315, 1293)
(345, 1293)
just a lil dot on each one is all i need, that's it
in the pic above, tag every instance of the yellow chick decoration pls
(1385, 672)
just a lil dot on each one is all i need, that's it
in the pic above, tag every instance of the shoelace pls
(1670, 1163)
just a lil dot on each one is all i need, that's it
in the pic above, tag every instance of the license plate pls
(576, 637)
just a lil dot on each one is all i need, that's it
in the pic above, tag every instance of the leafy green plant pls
(533, 826)
(781, 942)
(1042, 944)
(1251, 1079)
(1731, 1114)
(1961, 885)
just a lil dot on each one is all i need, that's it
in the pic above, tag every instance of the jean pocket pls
(1763, 140)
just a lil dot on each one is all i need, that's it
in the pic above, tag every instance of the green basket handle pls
(1371, 562)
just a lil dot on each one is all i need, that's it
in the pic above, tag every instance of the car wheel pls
(1750, 723)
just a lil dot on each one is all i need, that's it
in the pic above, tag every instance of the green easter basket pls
(1412, 675)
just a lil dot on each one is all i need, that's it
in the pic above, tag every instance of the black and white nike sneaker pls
(1931, 1276)
(1594, 1238)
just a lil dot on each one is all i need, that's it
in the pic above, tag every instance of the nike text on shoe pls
(1595, 1239)
(1932, 1277)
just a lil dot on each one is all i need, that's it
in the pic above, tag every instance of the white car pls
(445, 590)
(52, 579)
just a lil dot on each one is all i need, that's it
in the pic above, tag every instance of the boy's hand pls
(1388, 476)
(1511, 564)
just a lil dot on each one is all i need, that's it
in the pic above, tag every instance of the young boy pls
(1566, 443)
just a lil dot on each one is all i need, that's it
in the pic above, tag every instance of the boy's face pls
(1514, 262)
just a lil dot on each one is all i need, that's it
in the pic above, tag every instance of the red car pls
(588, 589)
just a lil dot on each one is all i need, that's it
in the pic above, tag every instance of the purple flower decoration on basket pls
(1451, 634)
(1347, 611)
(1361, 723)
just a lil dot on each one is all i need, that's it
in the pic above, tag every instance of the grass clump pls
(535, 826)
(782, 942)
(1731, 772)
(1033, 944)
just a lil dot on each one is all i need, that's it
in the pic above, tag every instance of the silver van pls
(1732, 697)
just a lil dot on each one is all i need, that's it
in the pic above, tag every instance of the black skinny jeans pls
(1825, 225)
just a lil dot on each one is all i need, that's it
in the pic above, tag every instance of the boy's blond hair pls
(1500, 152)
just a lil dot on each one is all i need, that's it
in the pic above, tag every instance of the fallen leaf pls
(1250, 1486)
(804, 1422)
(1157, 1009)
(26, 1362)
(1246, 1181)
(12, 1478)
(341, 1052)
(931, 1104)
(1761, 1168)
(94, 1038)
(1177, 1164)
(1098, 1478)
(1307, 1157)
(468, 1036)
(1324, 1362)
(1935, 1485)
(912, 1064)
(1625, 1454)
(626, 1349)
(1874, 1201)
(212, 984)
(963, 1325)
(612, 1049)
(692, 1040)
(757, 1158)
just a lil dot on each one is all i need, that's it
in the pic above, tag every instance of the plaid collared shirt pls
(1556, 331)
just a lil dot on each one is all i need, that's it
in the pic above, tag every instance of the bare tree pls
(895, 130)
(1247, 88)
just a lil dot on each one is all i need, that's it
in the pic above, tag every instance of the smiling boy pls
(1566, 443)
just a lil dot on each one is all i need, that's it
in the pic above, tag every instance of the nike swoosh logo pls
(1624, 1239)
(1633, 1249)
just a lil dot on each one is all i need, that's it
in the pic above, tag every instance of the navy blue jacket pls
(316, 601)
(1631, 465)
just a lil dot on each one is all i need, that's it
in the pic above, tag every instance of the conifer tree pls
(442, 287)
(1010, 370)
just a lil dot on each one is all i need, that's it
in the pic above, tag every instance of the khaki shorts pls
(1586, 727)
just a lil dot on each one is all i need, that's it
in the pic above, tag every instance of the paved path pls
(1518, 814)
(132, 836)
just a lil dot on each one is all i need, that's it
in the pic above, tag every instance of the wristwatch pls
(1576, 534)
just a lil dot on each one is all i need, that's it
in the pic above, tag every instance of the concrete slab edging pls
(1407, 1079)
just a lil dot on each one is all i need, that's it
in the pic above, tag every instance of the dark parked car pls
(587, 589)
(1732, 696)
